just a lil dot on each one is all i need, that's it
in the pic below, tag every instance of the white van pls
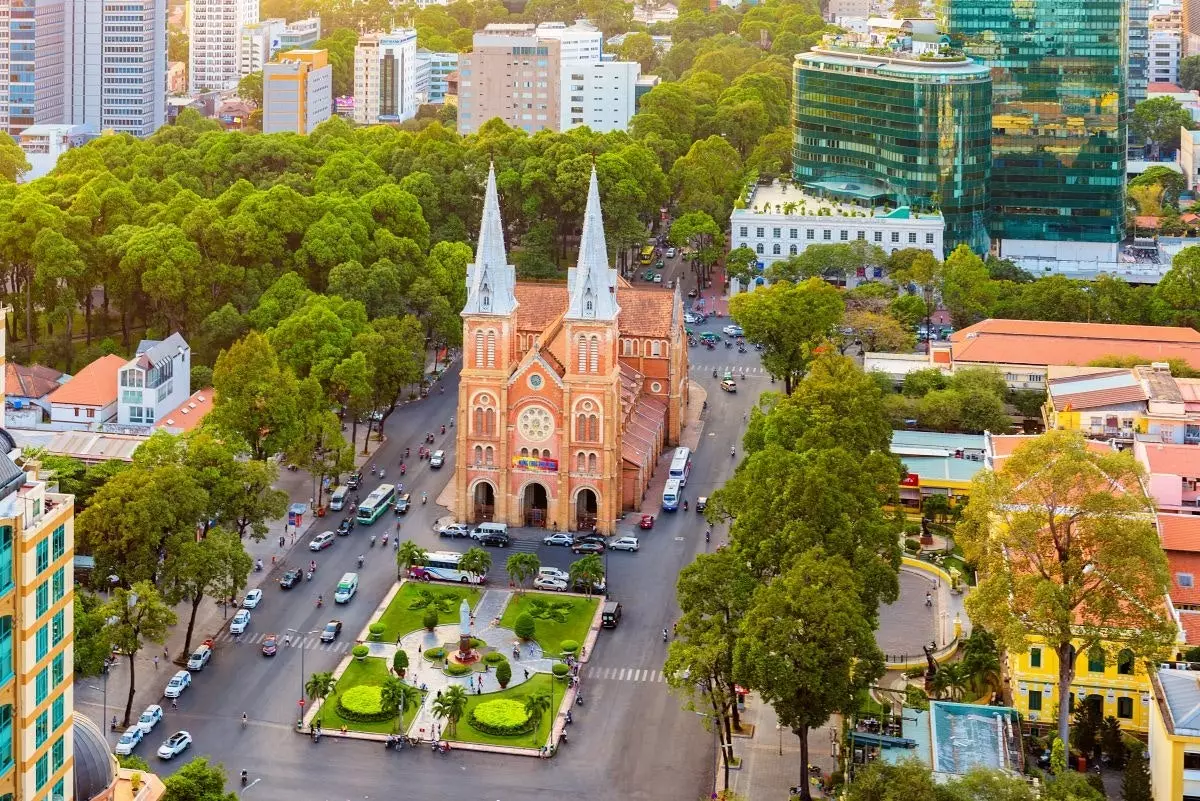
(346, 588)
(672, 492)
(337, 501)
(490, 530)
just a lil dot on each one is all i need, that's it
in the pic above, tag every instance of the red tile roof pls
(1191, 626)
(1176, 460)
(33, 381)
(1164, 87)
(645, 312)
(1044, 351)
(1146, 221)
(1179, 532)
(94, 385)
(1187, 563)
(1045, 328)
(190, 412)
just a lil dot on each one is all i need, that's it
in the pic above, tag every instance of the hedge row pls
(363, 704)
(502, 717)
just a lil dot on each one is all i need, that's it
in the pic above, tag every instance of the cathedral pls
(569, 392)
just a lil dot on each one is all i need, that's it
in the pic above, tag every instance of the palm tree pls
(410, 554)
(398, 698)
(588, 571)
(522, 567)
(451, 705)
(318, 687)
(951, 680)
(536, 707)
(477, 561)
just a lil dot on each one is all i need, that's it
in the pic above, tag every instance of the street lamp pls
(298, 634)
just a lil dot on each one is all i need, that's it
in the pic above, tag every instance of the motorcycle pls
(714, 373)
(741, 348)
(424, 498)
(309, 575)
(443, 429)
(320, 601)
(360, 560)
(382, 473)
(258, 565)
(403, 468)
(406, 452)
(385, 539)
(372, 542)
(245, 778)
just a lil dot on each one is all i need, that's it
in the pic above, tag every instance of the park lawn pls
(398, 619)
(550, 633)
(538, 683)
(371, 670)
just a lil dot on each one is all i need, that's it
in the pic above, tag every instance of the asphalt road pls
(630, 740)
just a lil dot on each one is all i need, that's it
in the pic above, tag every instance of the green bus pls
(378, 502)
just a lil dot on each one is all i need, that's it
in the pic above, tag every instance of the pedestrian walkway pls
(770, 760)
(722, 368)
(626, 674)
(309, 643)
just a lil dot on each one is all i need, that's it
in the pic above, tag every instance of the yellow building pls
(1174, 735)
(1119, 686)
(297, 92)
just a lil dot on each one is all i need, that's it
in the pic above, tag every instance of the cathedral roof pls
(592, 285)
(490, 278)
(645, 311)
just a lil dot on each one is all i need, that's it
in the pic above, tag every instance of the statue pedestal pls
(464, 647)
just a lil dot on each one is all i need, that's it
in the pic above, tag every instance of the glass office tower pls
(1059, 119)
(916, 130)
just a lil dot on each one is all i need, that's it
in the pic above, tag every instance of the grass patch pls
(538, 683)
(406, 610)
(371, 670)
(570, 617)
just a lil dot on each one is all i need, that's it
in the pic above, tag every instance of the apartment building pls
(438, 67)
(581, 41)
(1165, 50)
(32, 80)
(155, 381)
(297, 91)
(511, 74)
(260, 41)
(599, 94)
(216, 31)
(385, 77)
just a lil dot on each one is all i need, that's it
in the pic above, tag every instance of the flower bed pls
(501, 717)
(362, 704)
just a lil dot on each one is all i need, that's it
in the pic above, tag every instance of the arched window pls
(595, 367)
(791, 250)
(593, 428)
(581, 427)
(1125, 662)
(524, 452)
(758, 248)
(1095, 658)
(580, 462)
(591, 463)
(478, 454)
(487, 455)
(489, 422)
(775, 249)
(477, 423)
(582, 353)
(491, 349)
(479, 349)
(626, 347)
(654, 347)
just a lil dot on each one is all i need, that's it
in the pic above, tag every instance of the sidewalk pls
(771, 758)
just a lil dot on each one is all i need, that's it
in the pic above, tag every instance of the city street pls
(631, 739)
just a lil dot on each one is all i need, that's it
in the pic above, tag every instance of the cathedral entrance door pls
(585, 510)
(534, 505)
(483, 505)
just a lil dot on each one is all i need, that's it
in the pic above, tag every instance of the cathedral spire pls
(490, 279)
(592, 285)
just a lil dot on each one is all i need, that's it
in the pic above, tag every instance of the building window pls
(1035, 657)
(775, 249)
(479, 349)
(827, 234)
(41, 730)
(595, 354)
(478, 454)
(591, 463)
(42, 602)
(928, 239)
(792, 250)
(581, 462)
(6, 738)
(59, 540)
(843, 235)
(42, 638)
(654, 351)
(1035, 699)
(744, 231)
(1125, 708)
(1184, 580)
(582, 351)
(809, 233)
(879, 236)
(488, 455)
(42, 773)
(895, 236)
(1095, 659)
(758, 248)
(761, 232)
(491, 348)
(6, 558)
(58, 712)
(58, 627)
(777, 232)
(1125, 662)
(43, 555)
(41, 685)
(793, 233)
(912, 238)
(6, 649)
(1191, 760)
(626, 347)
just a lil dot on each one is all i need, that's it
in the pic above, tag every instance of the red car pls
(647, 522)
(270, 645)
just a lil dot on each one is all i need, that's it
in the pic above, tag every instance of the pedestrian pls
(928, 598)
(156, 661)
(526, 675)
(166, 652)
(174, 703)
(478, 690)
(439, 694)
(399, 637)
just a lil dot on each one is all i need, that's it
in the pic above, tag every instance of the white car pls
(670, 253)
(252, 599)
(128, 741)
(178, 683)
(624, 544)
(455, 530)
(733, 330)
(689, 317)
(239, 623)
(658, 278)
(558, 538)
(548, 583)
(174, 745)
(321, 541)
(554, 573)
(200, 658)
(437, 459)
(150, 718)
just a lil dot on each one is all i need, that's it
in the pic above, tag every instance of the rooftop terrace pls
(833, 198)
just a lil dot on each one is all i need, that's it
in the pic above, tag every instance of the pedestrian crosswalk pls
(648, 675)
(721, 369)
(310, 643)
(523, 546)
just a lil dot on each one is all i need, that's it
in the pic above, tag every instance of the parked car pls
(646, 523)
(437, 459)
(253, 599)
(551, 584)
(270, 645)
(200, 658)
(455, 530)
(587, 547)
(129, 740)
(594, 539)
(178, 683)
(346, 526)
(174, 745)
(658, 278)
(150, 718)
(493, 538)
(239, 623)
(558, 538)
(554, 573)
(624, 544)
(290, 579)
(321, 541)
(581, 585)
(332, 629)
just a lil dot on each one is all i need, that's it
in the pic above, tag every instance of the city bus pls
(378, 502)
(647, 255)
(443, 566)
(672, 493)
(681, 466)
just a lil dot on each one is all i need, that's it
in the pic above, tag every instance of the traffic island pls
(415, 604)
(557, 618)
(356, 705)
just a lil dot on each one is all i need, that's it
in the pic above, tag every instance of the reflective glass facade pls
(1060, 116)
(920, 129)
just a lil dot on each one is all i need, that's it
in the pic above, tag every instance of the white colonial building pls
(155, 381)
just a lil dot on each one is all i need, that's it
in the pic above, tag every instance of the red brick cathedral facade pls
(569, 392)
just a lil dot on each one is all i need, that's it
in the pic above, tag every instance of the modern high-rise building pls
(1190, 20)
(32, 83)
(297, 92)
(301, 33)
(116, 65)
(1059, 121)
(385, 77)
(1138, 51)
(440, 65)
(511, 74)
(1165, 48)
(897, 129)
(260, 41)
(215, 28)
(599, 94)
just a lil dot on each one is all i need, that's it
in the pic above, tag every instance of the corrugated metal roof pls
(1181, 691)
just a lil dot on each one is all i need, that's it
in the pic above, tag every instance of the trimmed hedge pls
(363, 704)
(359, 651)
(494, 657)
(477, 643)
(376, 630)
(430, 620)
(501, 717)
(524, 626)
(435, 654)
(504, 673)
(559, 669)
(569, 647)
(455, 669)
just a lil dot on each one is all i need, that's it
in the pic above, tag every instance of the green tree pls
(451, 706)
(808, 645)
(318, 687)
(1064, 557)
(134, 617)
(400, 662)
(742, 264)
(1135, 782)
(536, 707)
(255, 398)
(398, 698)
(951, 681)
(13, 163)
(920, 383)
(1159, 120)
(588, 571)
(980, 784)
(216, 565)
(879, 332)
(409, 554)
(92, 645)
(250, 87)
(1189, 72)
(476, 561)
(522, 568)
(1173, 184)
(197, 781)
(1179, 289)
(965, 287)
(910, 780)
(791, 321)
